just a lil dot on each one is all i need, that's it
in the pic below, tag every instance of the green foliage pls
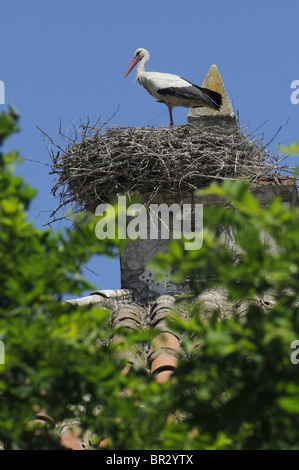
(48, 346)
(8, 123)
(235, 386)
(242, 384)
(292, 149)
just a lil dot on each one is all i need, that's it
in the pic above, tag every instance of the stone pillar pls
(133, 260)
(206, 118)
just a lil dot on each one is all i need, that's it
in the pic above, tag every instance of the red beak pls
(132, 65)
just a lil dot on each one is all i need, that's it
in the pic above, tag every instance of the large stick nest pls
(96, 164)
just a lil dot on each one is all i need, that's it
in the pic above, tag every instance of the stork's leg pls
(170, 116)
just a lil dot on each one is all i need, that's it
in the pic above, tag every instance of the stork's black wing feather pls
(194, 92)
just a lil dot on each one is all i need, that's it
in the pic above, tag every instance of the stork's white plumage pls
(170, 89)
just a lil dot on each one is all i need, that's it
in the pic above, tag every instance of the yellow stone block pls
(200, 116)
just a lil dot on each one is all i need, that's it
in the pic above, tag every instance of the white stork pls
(170, 89)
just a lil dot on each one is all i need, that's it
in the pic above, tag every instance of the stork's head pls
(138, 55)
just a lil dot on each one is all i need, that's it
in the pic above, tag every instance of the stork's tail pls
(212, 98)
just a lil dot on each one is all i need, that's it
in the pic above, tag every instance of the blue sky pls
(65, 60)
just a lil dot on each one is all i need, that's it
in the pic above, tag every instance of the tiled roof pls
(161, 357)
